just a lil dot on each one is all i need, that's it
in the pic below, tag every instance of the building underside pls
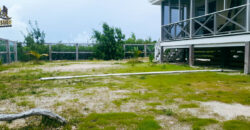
(205, 30)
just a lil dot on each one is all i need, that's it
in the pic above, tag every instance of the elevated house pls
(222, 26)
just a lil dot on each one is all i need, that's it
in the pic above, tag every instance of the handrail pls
(245, 5)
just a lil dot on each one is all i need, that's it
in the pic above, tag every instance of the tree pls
(34, 40)
(34, 35)
(108, 43)
(133, 40)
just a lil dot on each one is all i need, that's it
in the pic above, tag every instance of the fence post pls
(8, 52)
(145, 50)
(124, 48)
(191, 55)
(15, 52)
(77, 52)
(50, 52)
(161, 54)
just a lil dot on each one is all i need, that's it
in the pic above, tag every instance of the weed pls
(119, 102)
(168, 112)
(26, 104)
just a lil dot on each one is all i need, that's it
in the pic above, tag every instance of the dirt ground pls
(101, 100)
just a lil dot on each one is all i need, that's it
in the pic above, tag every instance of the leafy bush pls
(109, 43)
(151, 58)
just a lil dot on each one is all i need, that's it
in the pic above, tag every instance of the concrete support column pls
(191, 16)
(247, 58)
(248, 16)
(77, 52)
(162, 54)
(50, 52)
(191, 55)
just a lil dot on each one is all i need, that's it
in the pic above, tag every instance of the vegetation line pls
(127, 74)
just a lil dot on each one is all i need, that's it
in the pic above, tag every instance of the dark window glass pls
(234, 3)
(199, 7)
(215, 5)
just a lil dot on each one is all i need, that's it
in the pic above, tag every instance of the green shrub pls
(151, 58)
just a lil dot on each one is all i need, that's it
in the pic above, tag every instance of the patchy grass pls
(154, 104)
(114, 121)
(236, 125)
(198, 123)
(26, 104)
(190, 105)
(207, 86)
(119, 102)
(147, 67)
(167, 112)
(154, 90)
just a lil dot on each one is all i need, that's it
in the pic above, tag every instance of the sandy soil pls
(100, 100)
(218, 110)
(227, 111)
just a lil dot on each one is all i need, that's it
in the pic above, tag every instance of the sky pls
(74, 20)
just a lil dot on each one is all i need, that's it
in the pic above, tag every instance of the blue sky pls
(74, 20)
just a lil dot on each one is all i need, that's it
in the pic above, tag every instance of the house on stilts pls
(205, 31)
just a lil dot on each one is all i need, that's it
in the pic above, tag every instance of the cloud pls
(82, 37)
(18, 26)
(15, 13)
(62, 20)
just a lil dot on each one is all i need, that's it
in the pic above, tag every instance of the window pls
(165, 13)
(215, 5)
(185, 9)
(174, 9)
(199, 6)
(234, 3)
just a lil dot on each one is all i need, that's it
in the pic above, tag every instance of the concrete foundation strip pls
(128, 74)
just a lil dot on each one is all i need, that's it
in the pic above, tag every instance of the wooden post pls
(124, 49)
(191, 55)
(50, 52)
(162, 54)
(247, 58)
(145, 50)
(8, 57)
(15, 52)
(77, 52)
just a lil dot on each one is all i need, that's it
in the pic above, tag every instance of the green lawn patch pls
(113, 121)
(236, 125)
(190, 105)
(198, 123)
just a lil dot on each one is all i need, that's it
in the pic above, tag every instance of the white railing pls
(213, 24)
